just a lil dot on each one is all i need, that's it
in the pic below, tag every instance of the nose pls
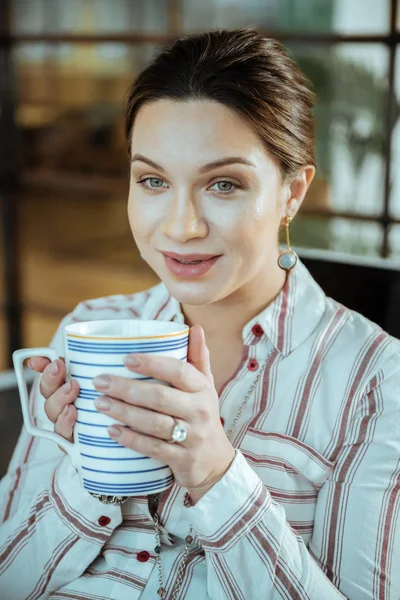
(184, 221)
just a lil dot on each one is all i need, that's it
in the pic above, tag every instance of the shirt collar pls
(286, 322)
(294, 314)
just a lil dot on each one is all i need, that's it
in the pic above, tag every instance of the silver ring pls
(179, 432)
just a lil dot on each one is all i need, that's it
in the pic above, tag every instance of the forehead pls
(194, 131)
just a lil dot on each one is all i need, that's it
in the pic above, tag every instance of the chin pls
(192, 292)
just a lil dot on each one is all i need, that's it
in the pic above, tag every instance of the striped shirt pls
(308, 510)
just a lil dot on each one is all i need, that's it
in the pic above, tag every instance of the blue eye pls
(232, 190)
(142, 183)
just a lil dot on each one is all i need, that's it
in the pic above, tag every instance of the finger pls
(145, 421)
(66, 394)
(52, 378)
(146, 445)
(198, 353)
(38, 363)
(178, 373)
(153, 396)
(65, 423)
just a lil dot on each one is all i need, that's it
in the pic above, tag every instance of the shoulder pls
(352, 374)
(370, 350)
(147, 304)
(120, 306)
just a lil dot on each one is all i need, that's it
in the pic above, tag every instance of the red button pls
(257, 330)
(103, 521)
(222, 421)
(143, 556)
(252, 365)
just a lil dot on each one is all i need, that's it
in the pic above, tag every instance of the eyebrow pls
(211, 165)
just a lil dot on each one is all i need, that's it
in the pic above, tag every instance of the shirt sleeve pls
(51, 527)
(354, 552)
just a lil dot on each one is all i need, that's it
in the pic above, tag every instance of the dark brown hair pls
(249, 73)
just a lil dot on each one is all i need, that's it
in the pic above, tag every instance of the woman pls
(299, 496)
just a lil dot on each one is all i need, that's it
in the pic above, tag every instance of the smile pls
(189, 269)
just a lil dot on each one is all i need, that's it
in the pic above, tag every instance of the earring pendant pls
(288, 258)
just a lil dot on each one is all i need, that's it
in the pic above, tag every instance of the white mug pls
(98, 347)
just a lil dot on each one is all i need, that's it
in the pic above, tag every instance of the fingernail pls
(102, 381)
(102, 403)
(65, 411)
(54, 368)
(131, 361)
(67, 387)
(114, 431)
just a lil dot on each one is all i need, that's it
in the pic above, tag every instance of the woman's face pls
(232, 211)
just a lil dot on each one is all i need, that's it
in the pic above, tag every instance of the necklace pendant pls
(161, 592)
(157, 549)
(188, 539)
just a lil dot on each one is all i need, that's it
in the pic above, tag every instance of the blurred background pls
(64, 68)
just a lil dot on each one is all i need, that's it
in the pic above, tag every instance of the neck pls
(227, 317)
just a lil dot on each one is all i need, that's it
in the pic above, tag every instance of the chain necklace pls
(189, 538)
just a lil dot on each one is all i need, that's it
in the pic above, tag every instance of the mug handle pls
(18, 359)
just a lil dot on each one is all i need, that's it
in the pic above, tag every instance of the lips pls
(189, 257)
(189, 270)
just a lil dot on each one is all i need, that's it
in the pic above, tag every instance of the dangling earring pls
(288, 258)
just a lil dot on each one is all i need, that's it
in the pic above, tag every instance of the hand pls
(206, 454)
(59, 406)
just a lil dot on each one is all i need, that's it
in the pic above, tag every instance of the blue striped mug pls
(92, 348)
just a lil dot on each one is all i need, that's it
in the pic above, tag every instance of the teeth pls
(193, 262)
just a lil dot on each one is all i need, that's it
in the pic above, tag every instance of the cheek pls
(141, 216)
(266, 218)
(256, 226)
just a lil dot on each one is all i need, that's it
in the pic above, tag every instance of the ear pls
(295, 191)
